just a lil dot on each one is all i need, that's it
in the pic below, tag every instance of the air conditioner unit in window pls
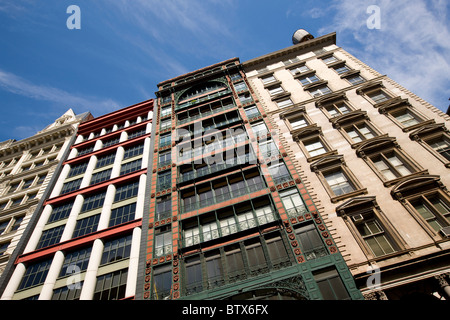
(358, 218)
(445, 231)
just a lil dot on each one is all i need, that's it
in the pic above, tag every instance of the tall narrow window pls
(210, 231)
(277, 250)
(391, 166)
(164, 180)
(163, 241)
(374, 235)
(338, 182)
(441, 145)
(331, 285)
(214, 269)
(162, 281)
(165, 158)
(379, 96)
(434, 210)
(310, 241)
(299, 122)
(235, 263)
(193, 271)
(255, 256)
(191, 236)
(292, 202)
(163, 207)
(359, 132)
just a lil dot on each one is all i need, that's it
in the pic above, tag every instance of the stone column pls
(37, 232)
(90, 279)
(52, 276)
(134, 263)
(60, 182)
(72, 219)
(106, 210)
(14, 282)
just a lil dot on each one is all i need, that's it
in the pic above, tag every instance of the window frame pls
(380, 147)
(430, 132)
(356, 119)
(414, 188)
(309, 133)
(353, 211)
(333, 163)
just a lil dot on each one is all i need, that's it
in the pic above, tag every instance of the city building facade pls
(302, 174)
(26, 167)
(375, 158)
(84, 242)
(223, 198)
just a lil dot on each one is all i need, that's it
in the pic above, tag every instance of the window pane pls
(427, 214)
(379, 96)
(338, 183)
(315, 147)
(384, 169)
(215, 271)
(441, 145)
(406, 118)
(398, 165)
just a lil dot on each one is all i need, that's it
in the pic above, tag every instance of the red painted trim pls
(112, 134)
(116, 116)
(94, 187)
(79, 241)
(106, 150)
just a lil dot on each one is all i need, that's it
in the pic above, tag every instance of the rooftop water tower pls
(301, 35)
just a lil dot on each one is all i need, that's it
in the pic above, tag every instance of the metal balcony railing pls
(202, 99)
(205, 114)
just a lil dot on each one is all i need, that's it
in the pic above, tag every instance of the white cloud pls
(194, 27)
(412, 46)
(17, 85)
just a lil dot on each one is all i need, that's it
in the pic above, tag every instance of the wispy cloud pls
(17, 85)
(194, 28)
(412, 46)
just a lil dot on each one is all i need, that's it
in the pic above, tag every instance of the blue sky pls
(124, 48)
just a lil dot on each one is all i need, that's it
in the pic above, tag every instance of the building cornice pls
(329, 38)
(115, 117)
